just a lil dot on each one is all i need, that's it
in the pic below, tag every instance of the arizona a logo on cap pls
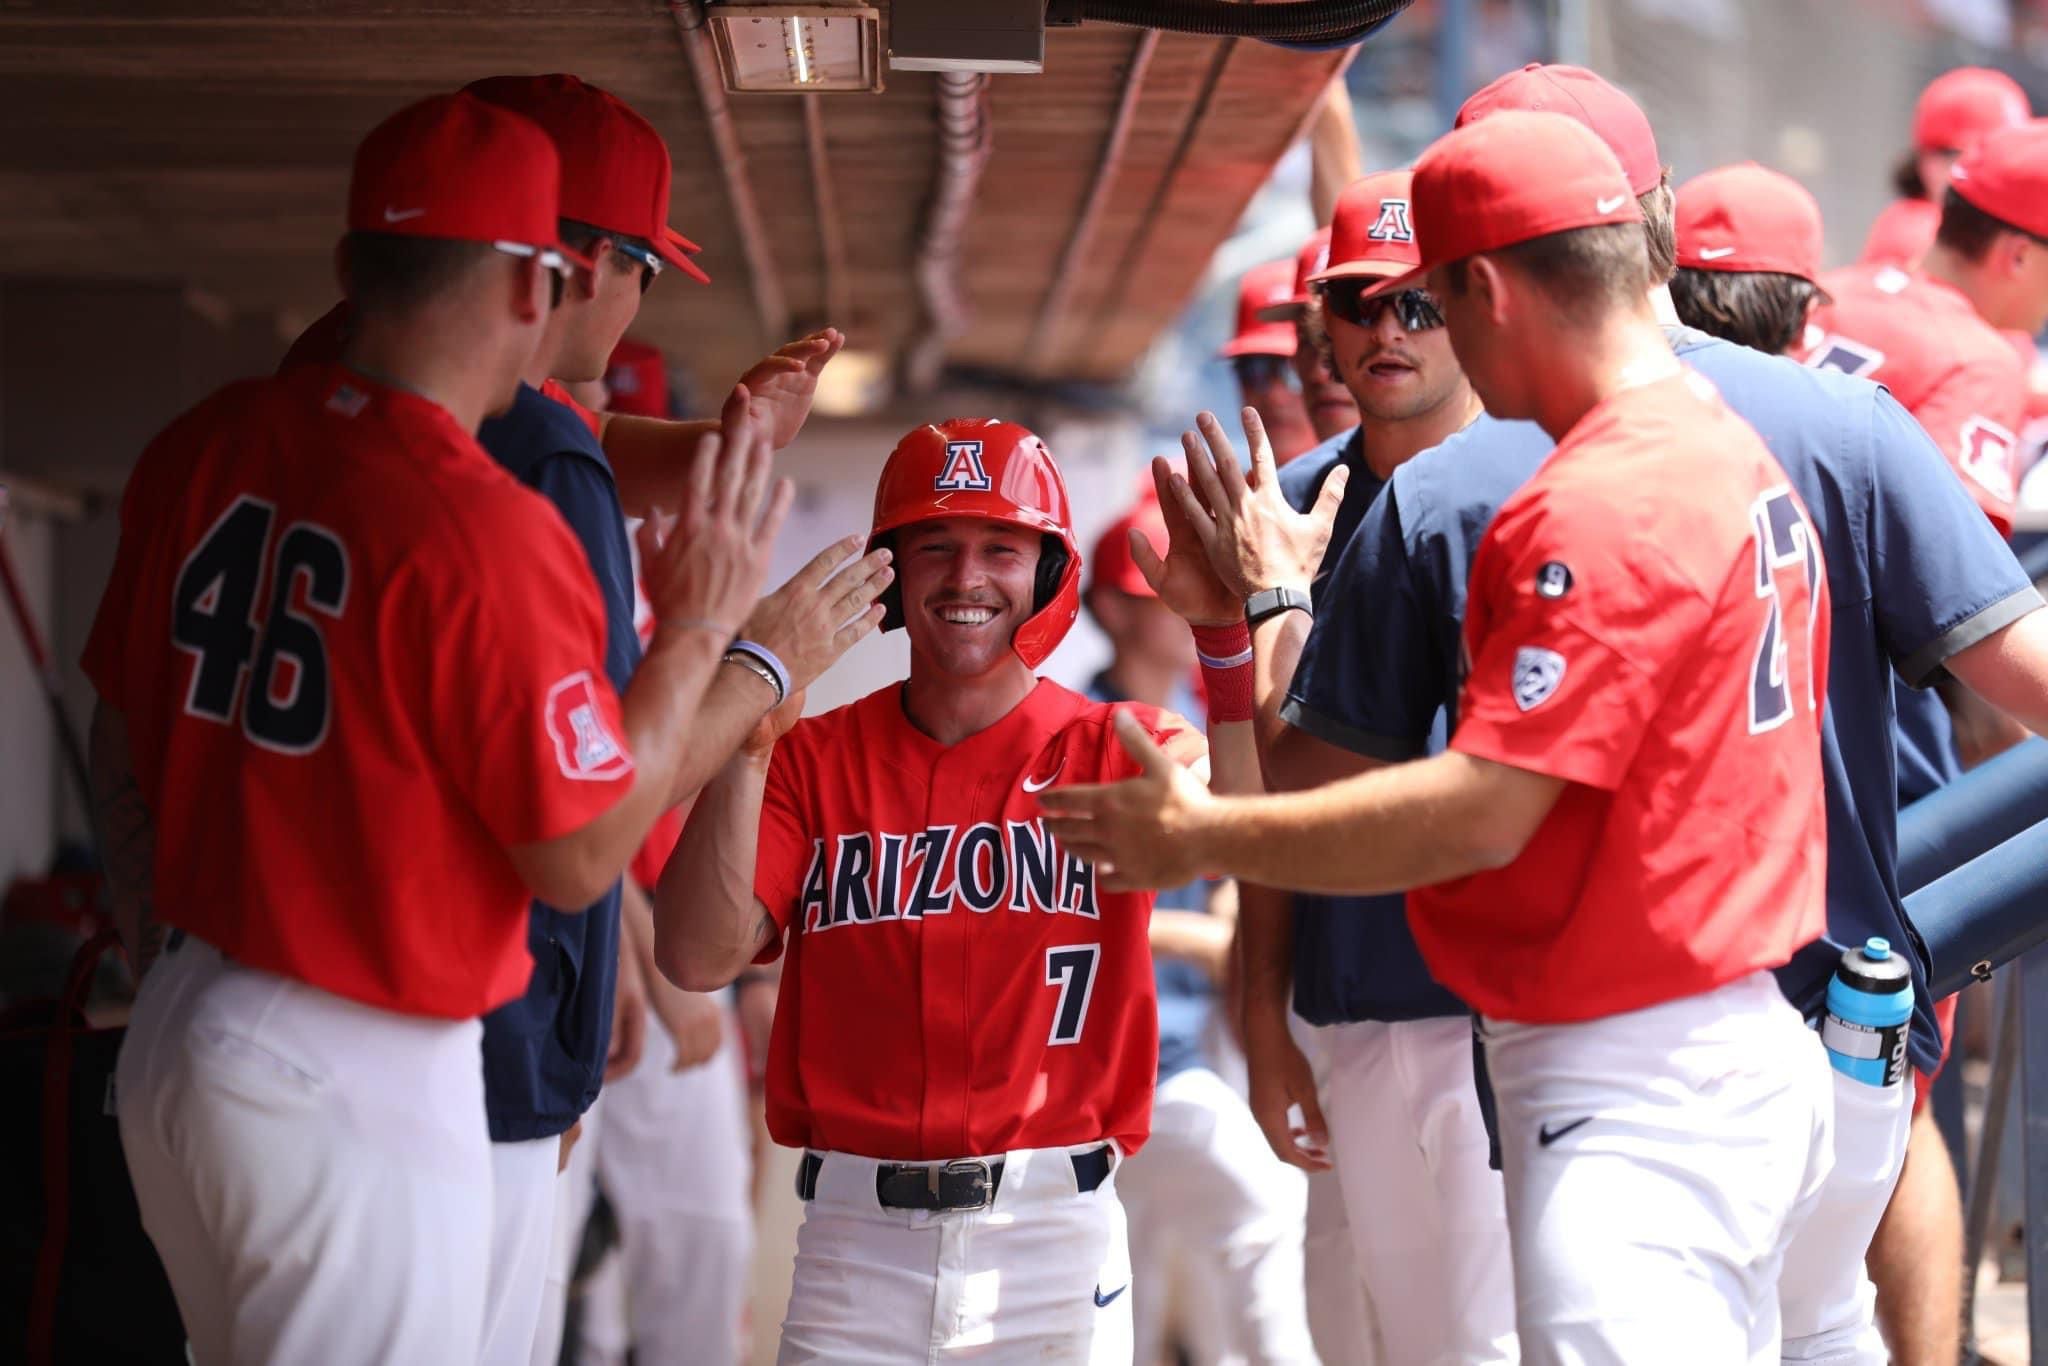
(963, 471)
(1393, 224)
(1537, 673)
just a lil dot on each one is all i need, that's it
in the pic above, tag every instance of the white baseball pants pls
(1824, 1294)
(1043, 1274)
(1215, 1215)
(524, 1191)
(315, 1173)
(1658, 1164)
(674, 1154)
(1428, 1216)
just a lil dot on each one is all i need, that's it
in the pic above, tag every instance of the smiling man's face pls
(967, 586)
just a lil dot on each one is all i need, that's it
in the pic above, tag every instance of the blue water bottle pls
(1870, 1007)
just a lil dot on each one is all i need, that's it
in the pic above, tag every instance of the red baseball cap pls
(1372, 231)
(1262, 287)
(1585, 96)
(1510, 178)
(455, 167)
(615, 167)
(1902, 233)
(1746, 218)
(1112, 565)
(1313, 256)
(1960, 106)
(636, 379)
(2006, 175)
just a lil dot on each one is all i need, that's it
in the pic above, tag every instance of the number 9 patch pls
(584, 745)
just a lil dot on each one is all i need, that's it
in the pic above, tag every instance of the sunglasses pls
(633, 251)
(1415, 309)
(1257, 372)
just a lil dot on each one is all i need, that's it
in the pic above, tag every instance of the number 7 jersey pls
(957, 984)
(1648, 621)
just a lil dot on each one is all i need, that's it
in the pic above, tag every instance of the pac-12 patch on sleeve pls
(584, 744)
(1537, 673)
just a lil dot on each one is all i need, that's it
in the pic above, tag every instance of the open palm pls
(1184, 580)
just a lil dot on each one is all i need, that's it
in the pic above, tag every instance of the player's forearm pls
(1265, 947)
(650, 457)
(1277, 643)
(128, 832)
(2009, 669)
(707, 924)
(1192, 937)
(1233, 758)
(1406, 826)
(733, 705)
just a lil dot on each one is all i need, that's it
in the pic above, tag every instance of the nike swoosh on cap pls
(1609, 205)
(396, 216)
(1715, 253)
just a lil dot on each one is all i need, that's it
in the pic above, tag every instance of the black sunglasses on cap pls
(1415, 309)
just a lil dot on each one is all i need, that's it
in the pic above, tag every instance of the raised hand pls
(703, 566)
(784, 382)
(1185, 580)
(816, 617)
(1259, 541)
(1139, 833)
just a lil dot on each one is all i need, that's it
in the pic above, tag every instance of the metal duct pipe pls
(965, 139)
(771, 307)
(1977, 812)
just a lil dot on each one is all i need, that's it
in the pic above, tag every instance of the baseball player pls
(1212, 1213)
(1956, 109)
(1647, 613)
(1261, 355)
(399, 736)
(1331, 410)
(1920, 582)
(1391, 1049)
(966, 1038)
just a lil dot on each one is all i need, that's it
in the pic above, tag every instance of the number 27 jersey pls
(957, 984)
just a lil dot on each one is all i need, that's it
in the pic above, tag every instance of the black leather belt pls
(966, 1184)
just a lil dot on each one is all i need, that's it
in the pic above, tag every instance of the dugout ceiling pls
(207, 145)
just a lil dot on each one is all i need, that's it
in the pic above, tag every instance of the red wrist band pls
(1225, 653)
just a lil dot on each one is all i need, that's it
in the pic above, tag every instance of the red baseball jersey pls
(1956, 373)
(357, 660)
(1647, 620)
(957, 984)
(327, 337)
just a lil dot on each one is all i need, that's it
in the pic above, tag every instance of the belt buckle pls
(978, 1182)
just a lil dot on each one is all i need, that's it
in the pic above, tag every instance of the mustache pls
(1389, 353)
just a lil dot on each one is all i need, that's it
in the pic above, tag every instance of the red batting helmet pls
(998, 472)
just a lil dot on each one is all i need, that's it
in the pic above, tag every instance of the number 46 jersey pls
(356, 659)
(957, 984)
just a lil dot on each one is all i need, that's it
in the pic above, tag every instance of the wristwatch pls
(1271, 602)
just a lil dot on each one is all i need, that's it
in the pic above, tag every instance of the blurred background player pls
(1215, 1218)
(1330, 409)
(1749, 249)
(1957, 108)
(1261, 355)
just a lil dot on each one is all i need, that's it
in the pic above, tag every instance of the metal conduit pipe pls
(964, 144)
(771, 306)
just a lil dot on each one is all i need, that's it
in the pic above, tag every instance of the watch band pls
(1271, 602)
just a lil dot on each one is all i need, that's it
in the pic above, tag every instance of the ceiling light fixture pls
(796, 48)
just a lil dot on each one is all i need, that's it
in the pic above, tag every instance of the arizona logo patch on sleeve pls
(584, 745)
